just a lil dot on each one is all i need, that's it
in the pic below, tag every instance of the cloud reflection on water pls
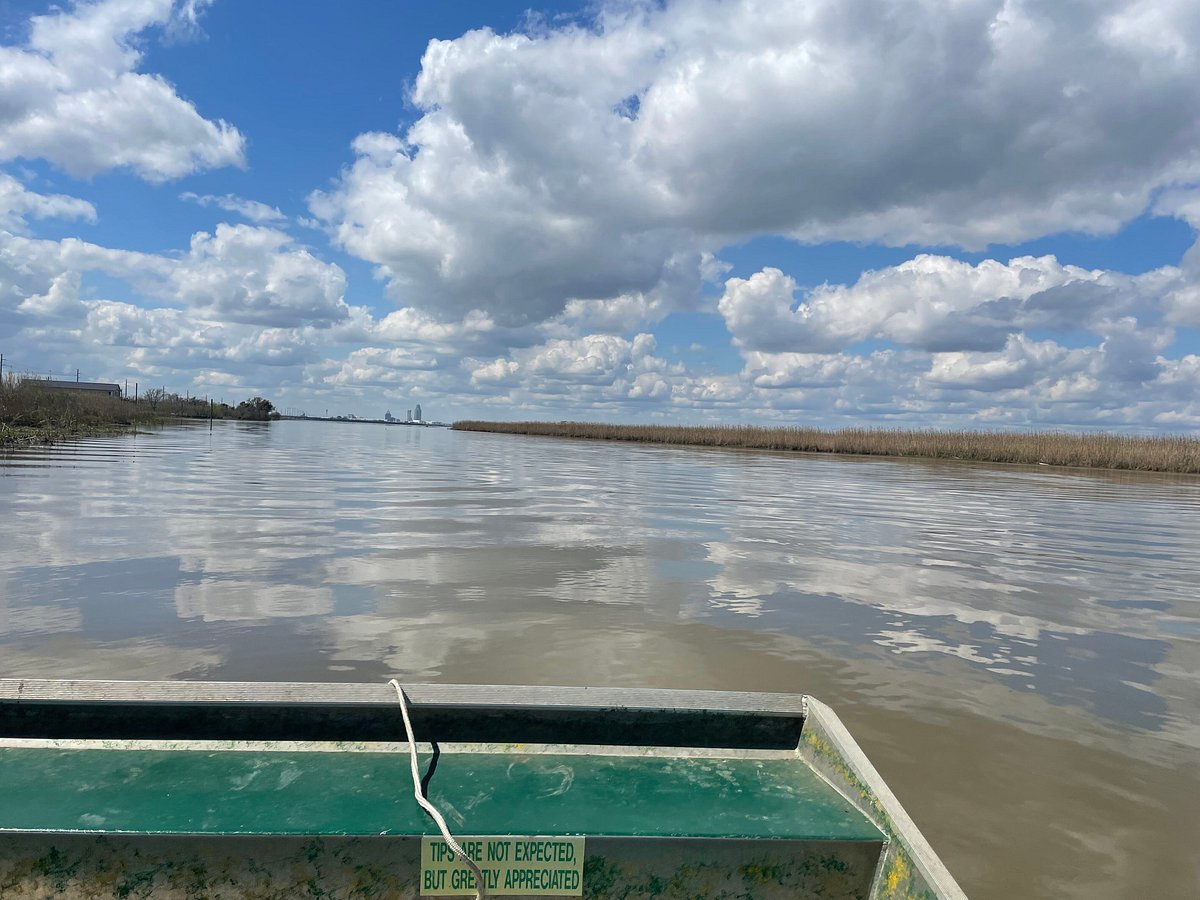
(368, 547)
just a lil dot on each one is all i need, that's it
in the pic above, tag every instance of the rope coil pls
(480, 889)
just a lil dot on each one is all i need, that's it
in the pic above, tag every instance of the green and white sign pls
(544, 866)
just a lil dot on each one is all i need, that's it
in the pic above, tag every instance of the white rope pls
(480, 890)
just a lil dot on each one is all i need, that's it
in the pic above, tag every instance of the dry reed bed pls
(1168, 453)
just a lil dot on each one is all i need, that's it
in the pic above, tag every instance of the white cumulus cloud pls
(575, 163)
(72, 95)
(242, 273)
(934, 303)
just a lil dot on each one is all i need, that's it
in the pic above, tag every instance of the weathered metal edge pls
(448, 748)
(490, 697)
(864, 786)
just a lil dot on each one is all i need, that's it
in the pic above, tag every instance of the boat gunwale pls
(181, 710)
(448, 748)
(500, 698)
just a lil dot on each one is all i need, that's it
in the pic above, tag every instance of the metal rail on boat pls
(362, 712)
(173, 787)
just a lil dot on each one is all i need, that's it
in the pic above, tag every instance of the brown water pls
(1016, 649)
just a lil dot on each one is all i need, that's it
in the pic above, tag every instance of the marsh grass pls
(1168, 453)
(32, 413)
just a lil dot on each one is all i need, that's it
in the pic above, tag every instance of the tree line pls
(256, 409)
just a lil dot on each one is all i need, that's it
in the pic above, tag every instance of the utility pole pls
(135, 394)
(1, 368)
(77, 376)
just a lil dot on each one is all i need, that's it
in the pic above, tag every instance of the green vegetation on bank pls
(1168, 453)
(32, 413)
(256, 409)
(177, 406)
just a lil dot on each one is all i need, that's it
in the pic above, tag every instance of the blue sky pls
(972, 214)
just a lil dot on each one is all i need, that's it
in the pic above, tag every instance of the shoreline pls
(1093, 450)
(32, 414)
(15, 436)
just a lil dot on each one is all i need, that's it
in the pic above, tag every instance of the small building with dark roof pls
(92, 387)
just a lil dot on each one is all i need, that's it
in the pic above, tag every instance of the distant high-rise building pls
(387, 416)
(417, 410)
(408, 416)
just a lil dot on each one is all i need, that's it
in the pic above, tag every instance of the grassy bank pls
(1095, 450)
(32, 414)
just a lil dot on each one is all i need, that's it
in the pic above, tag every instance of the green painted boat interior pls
(294, 792)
